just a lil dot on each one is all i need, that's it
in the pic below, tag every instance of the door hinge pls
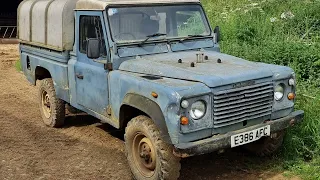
(109, 111)
(108, 66)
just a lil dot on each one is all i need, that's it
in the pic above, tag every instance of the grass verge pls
(17, 65)
(284, 33)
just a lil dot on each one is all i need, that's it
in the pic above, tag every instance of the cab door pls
(91, 78)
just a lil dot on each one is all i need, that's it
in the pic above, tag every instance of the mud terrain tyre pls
(267, 145)
(52, 109)
(149, 157)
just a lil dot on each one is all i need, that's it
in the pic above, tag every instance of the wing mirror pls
(93, 48)
(93, 52)
(217, 34)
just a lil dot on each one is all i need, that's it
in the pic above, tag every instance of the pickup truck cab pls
(153, 68)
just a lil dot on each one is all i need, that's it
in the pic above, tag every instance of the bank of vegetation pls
(284, 32)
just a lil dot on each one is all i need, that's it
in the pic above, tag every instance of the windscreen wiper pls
(151, 36)
(190, 37)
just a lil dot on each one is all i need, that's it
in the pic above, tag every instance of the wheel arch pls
(59, 78)
(140, 105)
(42, 73)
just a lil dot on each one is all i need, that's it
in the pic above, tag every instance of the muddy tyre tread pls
(58, 106)
(170, 164)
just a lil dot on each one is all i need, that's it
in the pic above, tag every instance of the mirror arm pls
(107, 65)
(101, 61)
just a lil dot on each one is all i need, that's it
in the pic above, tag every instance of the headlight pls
(198, 110)
(279, 92)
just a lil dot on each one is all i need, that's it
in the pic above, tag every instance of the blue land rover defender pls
(153, 68)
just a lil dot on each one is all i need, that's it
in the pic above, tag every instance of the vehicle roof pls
(102, 4)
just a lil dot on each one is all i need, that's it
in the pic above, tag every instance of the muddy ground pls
(84, 148)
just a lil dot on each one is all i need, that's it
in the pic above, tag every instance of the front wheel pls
(149, 157)
(267, 145)
(51, 107)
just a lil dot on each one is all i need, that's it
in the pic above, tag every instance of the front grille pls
(242, 104)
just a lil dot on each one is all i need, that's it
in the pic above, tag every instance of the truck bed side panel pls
(54, 62)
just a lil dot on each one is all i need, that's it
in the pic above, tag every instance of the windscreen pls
(130, 24)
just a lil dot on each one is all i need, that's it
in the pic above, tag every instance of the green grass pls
(17, 65)
(309, 170)
(254, 30)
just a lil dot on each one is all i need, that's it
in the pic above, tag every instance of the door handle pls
(79, 76)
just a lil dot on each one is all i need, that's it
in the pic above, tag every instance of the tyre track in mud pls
(29, 150)
(83, 148)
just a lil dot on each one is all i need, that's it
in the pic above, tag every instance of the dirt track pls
(84, 148)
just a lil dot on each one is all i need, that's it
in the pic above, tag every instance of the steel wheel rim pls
(144, 155)
(46, 105)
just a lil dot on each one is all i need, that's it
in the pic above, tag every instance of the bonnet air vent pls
(151, 77)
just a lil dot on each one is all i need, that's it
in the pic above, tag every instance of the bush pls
(283, 32)
(248, 31)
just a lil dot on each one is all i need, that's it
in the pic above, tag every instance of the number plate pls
(248, 137)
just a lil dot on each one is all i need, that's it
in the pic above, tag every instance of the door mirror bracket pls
(217, 34)
(100, 61)
(107, 65)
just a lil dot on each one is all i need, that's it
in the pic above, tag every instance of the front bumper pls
(223, 141)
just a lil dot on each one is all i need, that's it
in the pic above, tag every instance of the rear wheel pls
(52, 109)
(267, 145)
(149, 157)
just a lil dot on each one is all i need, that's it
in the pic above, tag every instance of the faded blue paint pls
(170, 93)
(194, 44)
(212, 73)
(147, 49)
(92, 90)
(50, 60)
(172, 81)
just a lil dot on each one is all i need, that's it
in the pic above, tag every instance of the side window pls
(91, 27)
(188, 23)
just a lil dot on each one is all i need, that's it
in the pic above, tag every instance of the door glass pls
(188, 23)
(91, 27)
